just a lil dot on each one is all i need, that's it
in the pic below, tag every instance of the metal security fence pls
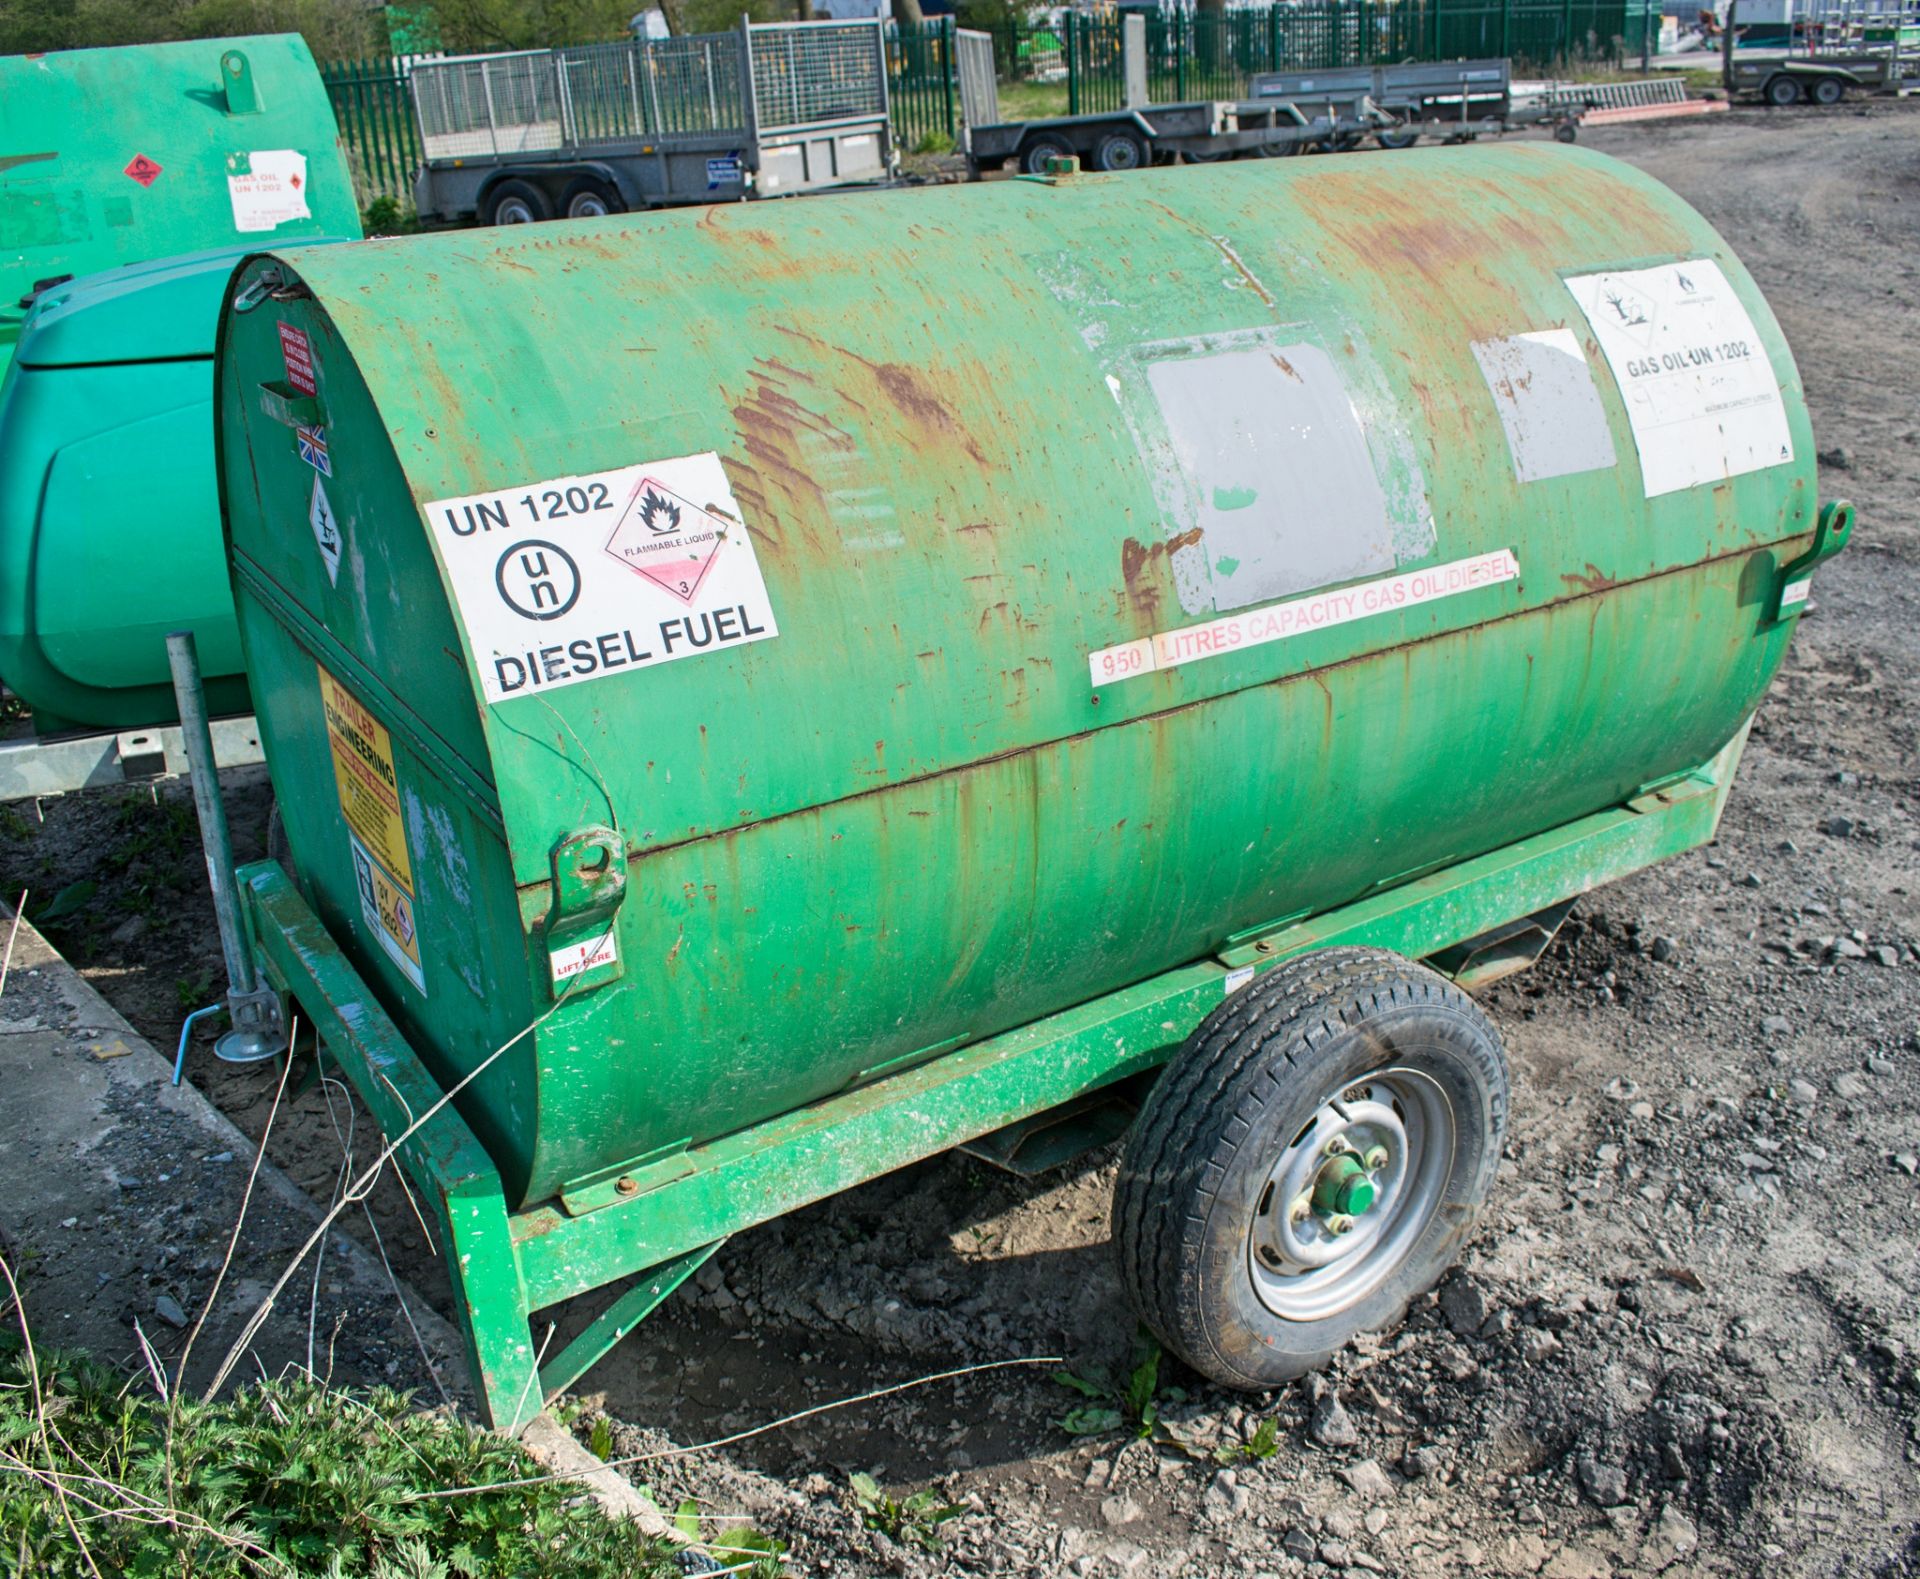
(375, 114)
(923, 82)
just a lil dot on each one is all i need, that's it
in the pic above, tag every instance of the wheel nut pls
(1339, 1225)
(1375, 1159)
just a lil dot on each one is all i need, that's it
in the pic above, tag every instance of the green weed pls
(915, 1521)
(1257, 1449)
(1131, 1404)
(288, 1477)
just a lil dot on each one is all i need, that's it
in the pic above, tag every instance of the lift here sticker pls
(575, 578)
(1702, 397)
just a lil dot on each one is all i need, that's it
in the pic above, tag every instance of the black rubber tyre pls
(1566, 131)
(1397, 138)
(517, 203)
(588, 197)
(1117, 151)
(1781, 92)
(1827, 91)
(1233, 1102)
(1039, 148)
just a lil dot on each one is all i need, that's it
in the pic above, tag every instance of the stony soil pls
(1684, 1339)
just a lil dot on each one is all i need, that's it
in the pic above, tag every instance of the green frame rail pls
(658, 1226)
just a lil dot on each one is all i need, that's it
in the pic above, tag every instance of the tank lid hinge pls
(589, 882)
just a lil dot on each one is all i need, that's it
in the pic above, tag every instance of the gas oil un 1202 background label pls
(577, 578)
(1701, 394)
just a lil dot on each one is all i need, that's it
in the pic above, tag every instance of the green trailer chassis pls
(658, 1225)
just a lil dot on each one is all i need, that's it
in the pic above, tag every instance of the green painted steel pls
(111, 156)
(154, 155)
(1010, 734)
(505, 1265)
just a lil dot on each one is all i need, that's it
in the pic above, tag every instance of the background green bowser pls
(750, 723)
(131, 181)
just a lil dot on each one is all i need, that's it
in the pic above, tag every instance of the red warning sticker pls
(667, 539)
(296, 351)
(142, 169)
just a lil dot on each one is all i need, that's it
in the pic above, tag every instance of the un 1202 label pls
(576, 578)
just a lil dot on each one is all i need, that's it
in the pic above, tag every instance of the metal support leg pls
(255, 1008)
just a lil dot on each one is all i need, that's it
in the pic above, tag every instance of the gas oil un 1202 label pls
(1701, 394)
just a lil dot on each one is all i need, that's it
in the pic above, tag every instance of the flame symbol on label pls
(658, 514)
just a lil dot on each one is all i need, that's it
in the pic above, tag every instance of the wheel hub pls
(1351, 1194)
(1344, 1188)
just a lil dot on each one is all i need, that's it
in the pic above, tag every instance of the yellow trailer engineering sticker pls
(370, 802)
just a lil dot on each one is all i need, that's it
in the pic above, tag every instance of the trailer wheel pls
(588, 197)
(1827, 91)
(1039, 148)
(1566, 131)
(1121, 150)
(517, 203)
(1781, 91)
(1399, 137)
(1310, 1163)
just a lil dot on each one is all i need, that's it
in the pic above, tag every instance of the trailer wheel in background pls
(1039, 148)
(1272, 150)
(1781, 91)
(1120, 150)
(1206, 155)
(517, 203)
(588, 197)
(1310, 1162)
(1566, 131)
(1827, 90)
(1398, 137)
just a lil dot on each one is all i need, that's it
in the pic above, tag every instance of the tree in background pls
(333, 29)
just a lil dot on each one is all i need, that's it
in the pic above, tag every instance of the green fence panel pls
(375, 114)
(920, 83)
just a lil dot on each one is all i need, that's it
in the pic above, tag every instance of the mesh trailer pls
(764, 110)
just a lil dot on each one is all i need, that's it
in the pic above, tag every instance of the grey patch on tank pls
(1543, 388)
(1277, 475)
(1384, 522)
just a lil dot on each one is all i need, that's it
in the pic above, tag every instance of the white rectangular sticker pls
(581, 577)
(268, 187)
(1702, 397)
(600, 949)
(1167, 649)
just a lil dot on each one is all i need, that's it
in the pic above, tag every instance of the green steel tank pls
(131, 181)
(768, 694)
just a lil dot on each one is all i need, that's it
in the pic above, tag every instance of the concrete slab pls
(121, 1195)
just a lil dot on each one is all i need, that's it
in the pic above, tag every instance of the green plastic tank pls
(773, 647)
(143, 173)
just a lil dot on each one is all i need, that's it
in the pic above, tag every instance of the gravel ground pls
(1684, 1340)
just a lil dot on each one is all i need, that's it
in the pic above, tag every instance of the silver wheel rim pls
(513, 211)
(588, 205)
(1121, 154)
(1303, 1268)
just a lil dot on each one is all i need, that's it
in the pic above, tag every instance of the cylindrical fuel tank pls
(771, 645)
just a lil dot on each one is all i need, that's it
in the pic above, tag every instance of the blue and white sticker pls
(724, 171)
(313, 449)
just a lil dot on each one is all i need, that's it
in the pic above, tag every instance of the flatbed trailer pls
(1822, 63)
(764, 110)
(1286, 113)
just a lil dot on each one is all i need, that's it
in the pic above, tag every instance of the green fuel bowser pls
(745, 720)
(131, 181)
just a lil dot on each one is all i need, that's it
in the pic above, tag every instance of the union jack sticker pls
(313, 449)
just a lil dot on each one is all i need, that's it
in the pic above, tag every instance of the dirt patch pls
(1684, 1340)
